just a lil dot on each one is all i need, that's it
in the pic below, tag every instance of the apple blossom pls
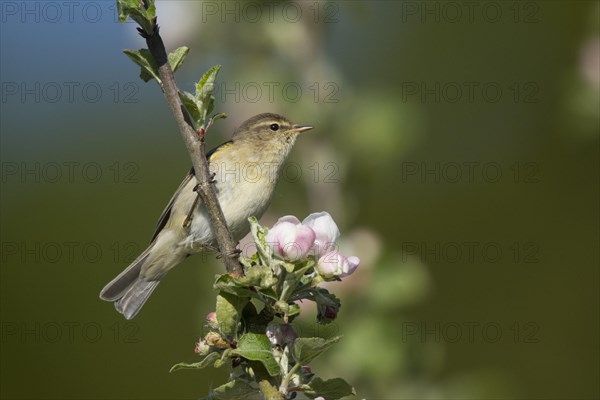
(335, 264)
(326, 232)
(290, 239)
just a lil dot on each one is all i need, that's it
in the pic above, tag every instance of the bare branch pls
(194, 143)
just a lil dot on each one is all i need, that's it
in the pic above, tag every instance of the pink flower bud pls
(335, 264)
(211, 319)
(290, 239)
(350, 267)
(326, 232)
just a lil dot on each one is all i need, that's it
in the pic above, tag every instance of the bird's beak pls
(300, 128)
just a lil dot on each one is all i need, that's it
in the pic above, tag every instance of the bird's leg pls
(209, 247)
(188, 218)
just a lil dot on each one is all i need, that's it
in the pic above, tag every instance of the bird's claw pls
(234, 253)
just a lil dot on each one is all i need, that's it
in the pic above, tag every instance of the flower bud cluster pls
(292, 240)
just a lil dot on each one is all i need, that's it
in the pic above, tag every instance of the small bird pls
(246, 170)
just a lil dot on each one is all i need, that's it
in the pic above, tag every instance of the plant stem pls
(195, 147)
(269, 392)
(286, 380)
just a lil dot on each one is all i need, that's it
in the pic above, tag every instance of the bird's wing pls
(166, 214)
(217, 149)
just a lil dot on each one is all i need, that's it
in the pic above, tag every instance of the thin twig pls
(195, 147)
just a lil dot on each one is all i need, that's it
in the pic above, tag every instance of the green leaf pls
(124, 7)
(224, 359)
(327, 303)
(331, 389)
(141, 11)
(264, 251)
(247, 262)
(144, 59)
(235, 390)
(259, 276)
(306, 280)
(205, 85)
(229, 309)
(176, 57)
(293, 277)
(269, 292)
(191, 105)
(150, 8)
(251, 319)
(218, 116)
(307, 349)
(142, 20)
(281, 307)
(328, 306)
(208, 360)
(294, 309)
(289, 267)
(257, 347)
(204, 89)
(226, 283)
(120, 11)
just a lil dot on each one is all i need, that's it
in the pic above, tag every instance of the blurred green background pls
(456, 145)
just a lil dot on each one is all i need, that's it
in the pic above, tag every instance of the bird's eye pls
(274, 127)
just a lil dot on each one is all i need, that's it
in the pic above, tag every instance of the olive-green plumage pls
(246, 170)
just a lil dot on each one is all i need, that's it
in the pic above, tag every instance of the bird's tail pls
(129, 290)
(135, 297)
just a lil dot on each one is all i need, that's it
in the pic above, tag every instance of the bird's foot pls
(235, 253)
